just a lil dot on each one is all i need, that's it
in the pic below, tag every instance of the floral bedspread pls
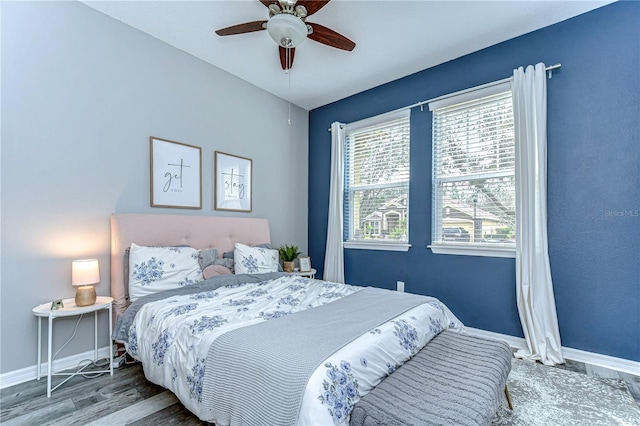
(178, 331)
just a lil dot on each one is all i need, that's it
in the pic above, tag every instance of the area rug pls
(551, 396)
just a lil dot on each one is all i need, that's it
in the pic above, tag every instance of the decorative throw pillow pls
(213, 270)
(207, 257)
(254, 260)
(154, 269)
(227, 263)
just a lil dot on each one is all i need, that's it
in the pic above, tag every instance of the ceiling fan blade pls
(247, 27)
(312, 6)
(268, 2)
(283, 57)
(324, 35)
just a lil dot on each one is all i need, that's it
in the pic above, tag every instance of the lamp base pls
(85, 296)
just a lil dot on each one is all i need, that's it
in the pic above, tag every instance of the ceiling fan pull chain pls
(288, 71)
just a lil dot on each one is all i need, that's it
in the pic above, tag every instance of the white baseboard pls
(606, 361)
(30, 373)
(514, 342)
(619, 364)
(613, 363)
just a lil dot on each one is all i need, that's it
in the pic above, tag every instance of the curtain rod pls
(549, 70)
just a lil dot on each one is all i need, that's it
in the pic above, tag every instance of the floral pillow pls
(228, 257)
(154, 269)
(254, 260)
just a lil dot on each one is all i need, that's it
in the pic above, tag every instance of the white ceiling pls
(393, 38)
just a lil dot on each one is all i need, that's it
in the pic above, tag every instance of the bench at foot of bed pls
(456, 379)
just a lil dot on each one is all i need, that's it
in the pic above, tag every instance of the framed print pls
(232, 183)
(176, 174)
(305, 263)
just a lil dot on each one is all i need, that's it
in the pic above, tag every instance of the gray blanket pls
(257, 375)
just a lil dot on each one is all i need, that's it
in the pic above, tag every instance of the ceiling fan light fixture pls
(287, 30)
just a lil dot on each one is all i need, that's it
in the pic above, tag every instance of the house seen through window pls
(474, 170)
(376, 184)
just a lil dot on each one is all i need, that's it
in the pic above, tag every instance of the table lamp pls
(84, 274)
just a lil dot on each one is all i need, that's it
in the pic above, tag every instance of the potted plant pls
(288, 254)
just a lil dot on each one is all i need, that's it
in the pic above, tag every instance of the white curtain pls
(334, 255)
(534, 288)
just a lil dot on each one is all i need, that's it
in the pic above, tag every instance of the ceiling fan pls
(287, 26)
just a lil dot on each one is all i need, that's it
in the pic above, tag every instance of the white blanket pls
(179, 330)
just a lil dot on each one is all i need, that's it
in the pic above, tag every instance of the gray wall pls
(81, 94)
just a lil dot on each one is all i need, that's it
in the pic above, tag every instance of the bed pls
(268, 348)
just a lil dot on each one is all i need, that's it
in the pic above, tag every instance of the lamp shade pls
(287, 30)
(85, 272)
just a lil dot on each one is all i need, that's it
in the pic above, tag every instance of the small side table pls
(70, 309)
(311, 273)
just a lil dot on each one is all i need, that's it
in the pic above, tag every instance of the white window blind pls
(376, 207)
(474, 169)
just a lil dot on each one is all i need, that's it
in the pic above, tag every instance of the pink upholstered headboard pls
(200, 232)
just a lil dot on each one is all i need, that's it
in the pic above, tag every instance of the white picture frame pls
(304, 263)
(233, 182)
(176, 174)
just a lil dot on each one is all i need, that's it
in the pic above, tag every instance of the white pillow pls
(154, 269)
(254, 260)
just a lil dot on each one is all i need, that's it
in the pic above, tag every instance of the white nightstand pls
(311, 274)
(70, 309)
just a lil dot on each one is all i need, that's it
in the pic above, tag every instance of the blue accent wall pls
(593, 184)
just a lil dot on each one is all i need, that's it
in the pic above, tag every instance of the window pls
(376, 182)
(474, 173)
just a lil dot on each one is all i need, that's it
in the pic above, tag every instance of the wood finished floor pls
(128, 398)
